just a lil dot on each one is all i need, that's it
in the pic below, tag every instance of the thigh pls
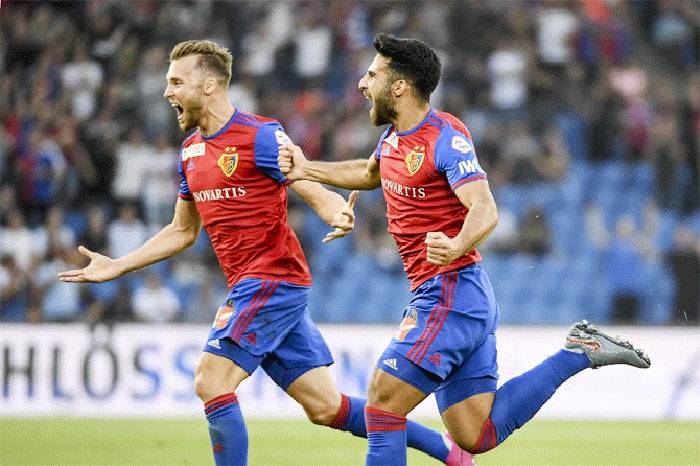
(216, 375)
(315, 390)
(390, 393)
(465, 420)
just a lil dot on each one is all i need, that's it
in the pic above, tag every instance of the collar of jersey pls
(417, 127)
(222, 130)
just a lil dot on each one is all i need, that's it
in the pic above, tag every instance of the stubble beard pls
(191, 118)
(383, 111)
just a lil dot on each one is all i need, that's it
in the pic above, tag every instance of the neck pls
(215, 116)
(409, 118)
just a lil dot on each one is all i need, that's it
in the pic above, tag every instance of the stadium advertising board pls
(139, 370)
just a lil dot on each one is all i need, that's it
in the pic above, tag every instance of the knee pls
(201, 386)
(323, 411)
(322, 415)
(206, 385)
(466, 442)
(379, 394)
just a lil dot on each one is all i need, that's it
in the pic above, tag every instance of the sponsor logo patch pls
(195, 150)
(462, 145)
(228, 161)
(223, 315)
(414, 159)
(214, 343)
(409, 322)
(282, 137)
(393, 140)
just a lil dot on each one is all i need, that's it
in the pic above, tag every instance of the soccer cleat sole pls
(603, 349)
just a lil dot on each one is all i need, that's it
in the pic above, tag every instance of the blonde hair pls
(212, 57)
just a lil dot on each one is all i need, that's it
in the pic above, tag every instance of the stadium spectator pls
(60, 302)
(684, 259)
(82, 77)
(624, 258)
(126, 232)
(95, 235)
(133, 158)
(17, 240)
(534, 233)
(155, 302)
(14, 290)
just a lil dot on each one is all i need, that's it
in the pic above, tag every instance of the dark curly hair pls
(412, 60)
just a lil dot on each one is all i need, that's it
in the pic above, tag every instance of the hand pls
(441, 249)
(100, 269)
(291, 161)
(344, 221)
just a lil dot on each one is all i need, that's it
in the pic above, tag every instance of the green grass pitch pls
(297, 442)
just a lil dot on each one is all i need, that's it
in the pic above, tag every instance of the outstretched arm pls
(330, 206)
(351, 174)
(478, 224)
(172, 239)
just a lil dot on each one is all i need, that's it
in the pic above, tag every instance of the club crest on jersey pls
(414, 159)
(228, 161)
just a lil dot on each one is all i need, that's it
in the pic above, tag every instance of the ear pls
(398, 87)
(210, 85)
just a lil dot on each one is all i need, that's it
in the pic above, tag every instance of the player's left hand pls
(441, 249)
(344, 220)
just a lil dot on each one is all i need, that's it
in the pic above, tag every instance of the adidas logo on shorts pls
(391, 363)
(214, 343)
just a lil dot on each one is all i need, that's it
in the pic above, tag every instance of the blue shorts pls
(265, 323)
(446, 342)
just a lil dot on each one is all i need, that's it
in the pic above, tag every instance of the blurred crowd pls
(585, 115)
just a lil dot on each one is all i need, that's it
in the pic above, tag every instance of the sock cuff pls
(383, 421)
(219, 402)
(341, 416)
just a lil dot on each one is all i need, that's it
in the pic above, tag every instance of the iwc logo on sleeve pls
(414, 159)
(228, 161)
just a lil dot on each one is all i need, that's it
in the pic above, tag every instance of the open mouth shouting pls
(179, 110)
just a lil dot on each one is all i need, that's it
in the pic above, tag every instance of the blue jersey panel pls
(270, 136)
(184, 190)
(455, 157)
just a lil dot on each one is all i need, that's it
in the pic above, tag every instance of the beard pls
(190, 118)
(383, 110)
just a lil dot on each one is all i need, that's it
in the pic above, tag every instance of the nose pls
(362, 85)
(167, 93)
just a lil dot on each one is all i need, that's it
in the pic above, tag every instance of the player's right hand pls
(100, 269)
(291, 161)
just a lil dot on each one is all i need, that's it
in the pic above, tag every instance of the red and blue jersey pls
(420, 169)
(241, 196)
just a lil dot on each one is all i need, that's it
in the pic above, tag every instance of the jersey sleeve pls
(377, 151)
(455, 157)
(270, 136)
(184, 191)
